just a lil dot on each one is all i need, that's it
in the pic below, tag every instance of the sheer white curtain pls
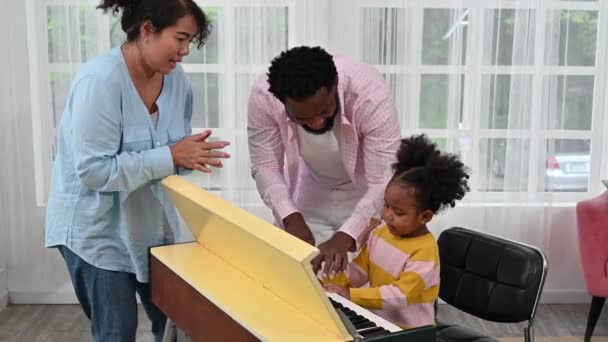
(9, 125)
(516, 88)
(246, 35)
(250, 34)
(25, 266)
(55, 37)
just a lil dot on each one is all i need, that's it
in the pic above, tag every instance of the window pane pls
(384, 36)
(245, 185)
(208, 53)
(59, 87)
(506, 101)
(261, 33)
(503, 164)
(571, 37)
(213, 181)
(566, 165)
(205, 88)
(568, 102)
(72, 34)
(509, 37)
(441, 101)
(444, 36)
(242, 87)
(398, 86)
(442, 143)
(117, 35)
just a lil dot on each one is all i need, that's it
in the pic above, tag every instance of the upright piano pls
(243, 279)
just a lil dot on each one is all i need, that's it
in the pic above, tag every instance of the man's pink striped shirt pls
(369, 138)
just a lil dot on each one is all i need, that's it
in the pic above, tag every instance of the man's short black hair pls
(300, 72)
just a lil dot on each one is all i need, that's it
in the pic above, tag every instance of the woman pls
(126, 125)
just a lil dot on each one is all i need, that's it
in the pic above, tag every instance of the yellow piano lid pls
(246, 301)
(271, 257)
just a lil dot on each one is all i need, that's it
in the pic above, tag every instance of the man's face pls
(316, 113)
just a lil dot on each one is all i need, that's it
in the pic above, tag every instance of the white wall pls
(33, 274)
(3, 262)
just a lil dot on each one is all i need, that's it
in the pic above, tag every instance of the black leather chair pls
(491, 278)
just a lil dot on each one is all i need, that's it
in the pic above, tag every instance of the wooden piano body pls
(243, 279)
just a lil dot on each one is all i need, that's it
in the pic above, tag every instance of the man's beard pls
(329, 125)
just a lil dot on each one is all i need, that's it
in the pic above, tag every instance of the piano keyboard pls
(365, 322)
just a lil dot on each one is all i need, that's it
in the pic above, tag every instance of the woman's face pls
(162, 51)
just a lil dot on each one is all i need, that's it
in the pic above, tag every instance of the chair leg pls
(597, 303)
(529, 333)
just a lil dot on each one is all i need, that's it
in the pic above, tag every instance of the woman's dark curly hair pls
(161, 13)
(440, 179)
(300, 72)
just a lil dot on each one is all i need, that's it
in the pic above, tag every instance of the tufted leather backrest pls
(490, 277)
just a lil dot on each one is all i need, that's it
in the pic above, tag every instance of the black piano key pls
(358, 318)
(377, 334)
(349, 313)
(360, 324)
(367, 332)
(364, 325)
(336, 304)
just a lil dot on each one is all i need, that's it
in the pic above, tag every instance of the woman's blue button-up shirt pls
(105, 202)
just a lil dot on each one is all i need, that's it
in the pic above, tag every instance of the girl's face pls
(401, 212)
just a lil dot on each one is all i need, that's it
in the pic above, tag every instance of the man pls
(334, 125)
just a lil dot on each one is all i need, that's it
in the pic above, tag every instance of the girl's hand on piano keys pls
(342, 291)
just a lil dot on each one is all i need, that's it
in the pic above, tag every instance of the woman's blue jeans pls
(108, 299)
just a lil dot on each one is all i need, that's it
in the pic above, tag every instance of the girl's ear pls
(426, 216)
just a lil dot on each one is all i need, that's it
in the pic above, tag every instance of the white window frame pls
(474, 69)
(44, 130)
(328, 23)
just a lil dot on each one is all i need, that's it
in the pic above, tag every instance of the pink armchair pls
(592, 221)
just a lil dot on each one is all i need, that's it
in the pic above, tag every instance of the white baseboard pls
(3, 299)
(574, 296)
(68, 297)
(3, 288)
(42, 297)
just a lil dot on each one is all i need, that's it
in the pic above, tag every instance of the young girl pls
(401, 258)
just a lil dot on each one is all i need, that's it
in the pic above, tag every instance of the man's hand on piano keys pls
(333, 254)
(295, 225)
(342, 291)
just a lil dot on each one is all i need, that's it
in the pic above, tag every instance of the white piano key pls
(379, 321)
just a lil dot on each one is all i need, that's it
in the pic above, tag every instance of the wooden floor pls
(67, 323)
